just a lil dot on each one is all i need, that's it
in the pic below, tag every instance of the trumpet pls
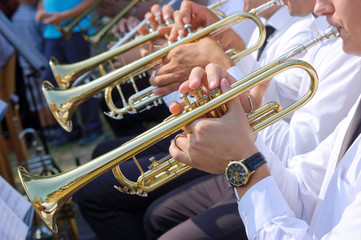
(67, 29)
(63, 103)
(66, 74)
(48, 194)
(144, 99)
(95, 39)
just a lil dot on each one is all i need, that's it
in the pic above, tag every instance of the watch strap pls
(255, 161)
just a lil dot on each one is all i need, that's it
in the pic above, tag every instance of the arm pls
(58, 17)
(209, 144)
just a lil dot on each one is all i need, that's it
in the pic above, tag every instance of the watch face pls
(237, 174)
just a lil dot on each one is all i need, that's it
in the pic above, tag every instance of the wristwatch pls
(239, 172)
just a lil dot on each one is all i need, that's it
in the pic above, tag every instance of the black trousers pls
(115, 215)
(205, 208)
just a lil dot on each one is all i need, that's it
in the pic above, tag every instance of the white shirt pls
(339, 87)
(289, 33)
(311, 200)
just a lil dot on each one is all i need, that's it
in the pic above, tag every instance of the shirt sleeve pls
(266, 214)
(300, 184)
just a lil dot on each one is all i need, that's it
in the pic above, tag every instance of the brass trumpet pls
(67, 29)
(63, 103)
(95, 39)
(48, 194)
(66, 74)
(144, 99)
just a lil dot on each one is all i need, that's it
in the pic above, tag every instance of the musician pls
(319, 198)
(285, 139)
(77, 49)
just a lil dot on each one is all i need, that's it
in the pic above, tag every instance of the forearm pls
(230, 40)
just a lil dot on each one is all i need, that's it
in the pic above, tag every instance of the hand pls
(210, 78)
(197, 15)
(210, 143)
(50, 18)
(157, 18)
(179, 62)
(125, 25)
(40, 15)
(200, 16)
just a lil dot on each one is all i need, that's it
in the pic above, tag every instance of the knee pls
(153, 222)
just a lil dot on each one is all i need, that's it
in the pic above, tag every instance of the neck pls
(269, 12)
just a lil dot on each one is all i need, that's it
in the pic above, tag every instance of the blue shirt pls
(60, 6)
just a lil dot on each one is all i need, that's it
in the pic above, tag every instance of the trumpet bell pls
(62, 110)
(61, 74)
(38, 189)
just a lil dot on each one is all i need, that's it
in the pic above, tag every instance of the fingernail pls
(155, 91)
(166, 16)
(185, 19)
(225, 82)
(212, 82)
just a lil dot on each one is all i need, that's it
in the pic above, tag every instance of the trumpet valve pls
(189, 106)
(179, 38)
(188, 28)
(154, 163)
(159, 20)
(169, 22)
(202, 99)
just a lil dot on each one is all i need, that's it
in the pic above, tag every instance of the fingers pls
(214, 75)
(196, 77)
(122, 26)
(167, 12)
(185, 12)
(143, 30)
(177, 108)
(176, 149)
(178, 27)
(156, 10)
(234, 106)
(158, 16)
(132, 22)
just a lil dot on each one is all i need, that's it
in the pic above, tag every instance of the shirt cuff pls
(235, 72)
(260, 204)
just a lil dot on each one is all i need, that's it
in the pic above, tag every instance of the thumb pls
(234, 105)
